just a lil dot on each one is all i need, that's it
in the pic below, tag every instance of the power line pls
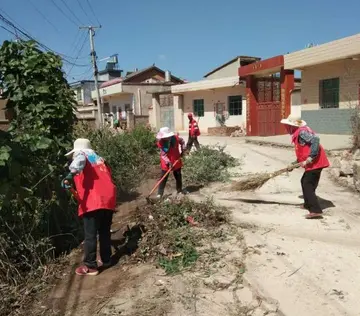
(79, 52)
(64, 14)
(25, 34)
(44, 16)
(82, 8)
(93, 12)
(71, 11)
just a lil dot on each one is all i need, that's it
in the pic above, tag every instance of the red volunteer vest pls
(303, 152)
(194, 128)
(173, 154)
(95, 188)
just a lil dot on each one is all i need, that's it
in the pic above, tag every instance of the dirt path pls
(214, 286)
(305, 267)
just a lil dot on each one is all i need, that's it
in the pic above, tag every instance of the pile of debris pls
(173, 230)
(239, 132)
(346, 168)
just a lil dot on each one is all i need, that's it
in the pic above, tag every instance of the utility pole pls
(91, 30)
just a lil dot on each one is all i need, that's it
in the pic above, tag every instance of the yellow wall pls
(348, 71)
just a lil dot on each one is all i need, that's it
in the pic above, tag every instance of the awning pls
(206, 84)
(343, 48)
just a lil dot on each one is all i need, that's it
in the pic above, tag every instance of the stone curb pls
(285, 146)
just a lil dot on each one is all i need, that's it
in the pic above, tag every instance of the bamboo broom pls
(258, 180)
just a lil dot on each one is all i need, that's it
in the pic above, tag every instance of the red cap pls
(190, 115)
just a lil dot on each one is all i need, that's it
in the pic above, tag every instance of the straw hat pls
(79, 144)
(293, 120)
(164, 133)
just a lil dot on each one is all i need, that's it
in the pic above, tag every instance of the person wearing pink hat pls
(170, 158)
(194, 133)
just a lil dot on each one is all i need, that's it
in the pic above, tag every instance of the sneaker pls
(314, 215)
(84, 270)
(159, 196)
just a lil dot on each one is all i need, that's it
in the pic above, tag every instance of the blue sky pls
(187, 37)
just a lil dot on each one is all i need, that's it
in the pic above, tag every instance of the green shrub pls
(129, 154)
(208, 164)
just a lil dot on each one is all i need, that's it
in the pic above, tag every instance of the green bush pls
(129, 154)
(208, 164)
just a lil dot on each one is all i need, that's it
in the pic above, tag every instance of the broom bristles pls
(252, 183)
(258, 180)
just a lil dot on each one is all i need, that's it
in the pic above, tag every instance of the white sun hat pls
(164, 132)
(293, 120)
(79, 144)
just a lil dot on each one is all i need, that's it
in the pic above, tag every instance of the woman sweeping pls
(312, 157)
(170, 158)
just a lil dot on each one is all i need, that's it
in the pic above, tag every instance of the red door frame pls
(267, 66)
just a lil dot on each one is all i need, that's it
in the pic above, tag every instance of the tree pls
(43, 106)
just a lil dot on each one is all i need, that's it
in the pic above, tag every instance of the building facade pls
(220, 98)
(330, 89)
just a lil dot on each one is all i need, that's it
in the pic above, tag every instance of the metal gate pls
(167, 111)
(268, 98)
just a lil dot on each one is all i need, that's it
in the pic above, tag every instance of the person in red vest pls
(194, 133)
(96, 195)
(311, 155)
(170, 158)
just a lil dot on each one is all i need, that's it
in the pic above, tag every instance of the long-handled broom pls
(161, 180)
(258, 180)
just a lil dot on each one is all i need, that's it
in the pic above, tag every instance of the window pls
(198, 107)
(329, 93)
(235, 105)
(78, 94)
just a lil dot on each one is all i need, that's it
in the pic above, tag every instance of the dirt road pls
(307, 267)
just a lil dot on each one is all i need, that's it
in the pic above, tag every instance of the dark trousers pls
(192, 141)
(309, 184)
(97, 223)
(178, 178)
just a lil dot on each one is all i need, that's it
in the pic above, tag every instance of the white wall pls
(210, 99)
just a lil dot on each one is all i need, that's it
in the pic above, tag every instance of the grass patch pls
(171, 240)
(208, 164)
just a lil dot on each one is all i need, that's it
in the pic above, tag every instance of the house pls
(86, 108)
(134, 91)
(329, 94)
(219, 93)
(82, 90)
(330, 88)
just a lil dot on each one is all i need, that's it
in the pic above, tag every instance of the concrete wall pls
(329, 121)
(210, 99)
(230, 70)
(348, 71)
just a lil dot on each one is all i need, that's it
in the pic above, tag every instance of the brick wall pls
(329, 121)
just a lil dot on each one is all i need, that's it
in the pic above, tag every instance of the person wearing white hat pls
(170, 157)
(96, 195)
(311, 155)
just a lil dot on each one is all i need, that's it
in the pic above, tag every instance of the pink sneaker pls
(84, 270)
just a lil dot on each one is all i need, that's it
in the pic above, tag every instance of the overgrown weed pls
(208, 164)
